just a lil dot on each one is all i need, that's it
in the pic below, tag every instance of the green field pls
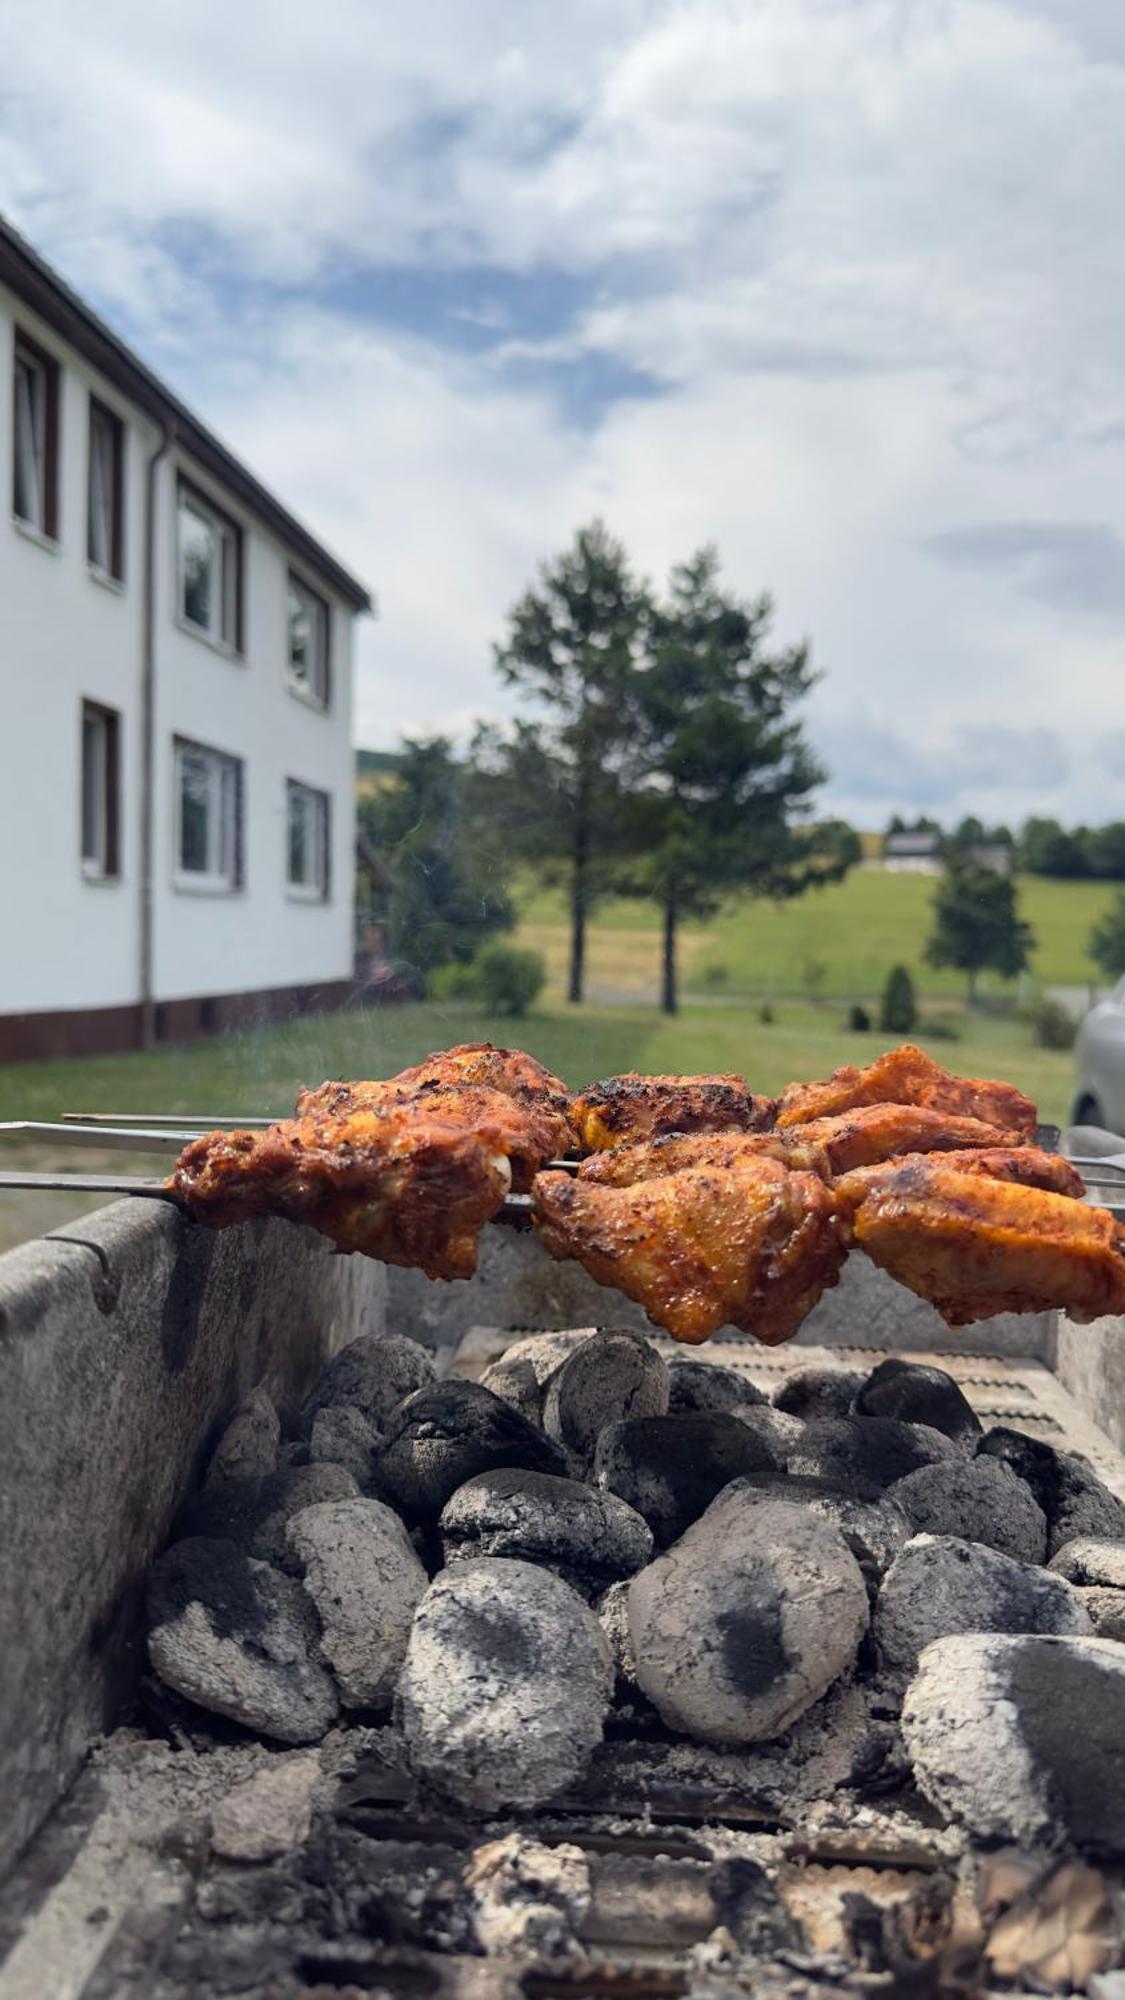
(858, 928)
(259, 1072)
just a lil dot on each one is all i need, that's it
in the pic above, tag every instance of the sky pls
(838, 285)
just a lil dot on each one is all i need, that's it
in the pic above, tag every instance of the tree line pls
(657, 752)
(1040, 847)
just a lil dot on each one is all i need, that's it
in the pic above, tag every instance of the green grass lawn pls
(858, 928)
(260, 1071)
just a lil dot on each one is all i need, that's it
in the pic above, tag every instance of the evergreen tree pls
(557, 779)
(724, 774)
(1106, 943)
(899, 1010)
(445, 891)
(977, 925)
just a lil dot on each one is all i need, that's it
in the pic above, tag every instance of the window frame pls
(105, 865)
(318, 890)
(230, 878)
(226, 636)
(100, 414)
(28, 354)
(318, 695)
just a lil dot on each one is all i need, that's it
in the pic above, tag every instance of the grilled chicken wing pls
(529, 1134)
(395, 1182)
(624, 1109)
(907, 1075)
(975, 1244)
(1026, 1166)
(749, 1244)
(825, 1146)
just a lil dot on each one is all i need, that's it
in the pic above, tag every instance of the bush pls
(766, 1015)
(715, 975)
(1051, 1026)
(455, 982)
(898, 1012)
(940, 1029)
(859, 1020)
(510, 979)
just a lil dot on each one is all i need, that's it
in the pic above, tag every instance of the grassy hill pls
(857, 928)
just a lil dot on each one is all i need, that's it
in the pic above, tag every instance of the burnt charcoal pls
(1072, 1497)
(707, 1385)
(978, 1500)
(613, 1612)
(865, 1455)
(1020, 1738)
(918, 1394)
(874, 1530)
(250, 1443)
(747, 1621)
(374, 1374)
(780, 1433)
(1105, 1609)
(270, 1813)
(589, 1537)
(609, 1378)
(815, 1392)
(670, 1468)
(506, 1686)
(240, 1638)
(518, 1384)
(940, 1585)
(445, 1435)
(748, 1905)
(254, 1513)
(529, 1898)
(1089, 1559)
(342, 1435)
(366, 1582)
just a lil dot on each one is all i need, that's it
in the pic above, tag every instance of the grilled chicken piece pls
(907, 1075)
(653, 1159)
(624, 1109)
(397, 1182)
(825, 1146)
(748, 1244)
(975, 1244)
(528, 1134)
(1026, 1166)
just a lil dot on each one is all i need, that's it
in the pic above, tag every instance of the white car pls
(1100, 1052)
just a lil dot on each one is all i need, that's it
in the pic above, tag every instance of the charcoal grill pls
(123, 1341)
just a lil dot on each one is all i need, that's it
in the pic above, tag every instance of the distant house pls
(997, 855)
(176, 772)
(913, 853)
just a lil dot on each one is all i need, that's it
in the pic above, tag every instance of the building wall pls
(67, 943)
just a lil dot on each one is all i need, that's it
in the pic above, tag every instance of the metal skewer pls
(112, 1138)
(195, 1121)
(89, 1184)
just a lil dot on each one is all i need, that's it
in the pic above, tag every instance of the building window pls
(210, 569)
(208, 819)
(35, 438)
(308, 643)
(101, 804)
(309, 860)
(105, 495)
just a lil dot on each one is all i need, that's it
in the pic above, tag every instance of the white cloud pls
(871, 248)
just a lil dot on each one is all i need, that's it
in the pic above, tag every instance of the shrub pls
(1051, 1026)
(898, 1012)
(814, 977)
(455, 982)
(859, 1020)
(766, 1015)
(940, 1029)
(715, 975)
(510, 979)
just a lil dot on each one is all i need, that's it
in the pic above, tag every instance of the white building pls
(176, 771)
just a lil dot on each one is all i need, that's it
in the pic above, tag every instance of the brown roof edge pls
(31, 279)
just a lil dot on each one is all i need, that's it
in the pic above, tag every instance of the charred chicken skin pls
(975, 1244)
(747, 1244)
(529, 1134)
(396, 1182)
(907, 1075)
(825, 1146)
(1025, 1166)
(622, 1110)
